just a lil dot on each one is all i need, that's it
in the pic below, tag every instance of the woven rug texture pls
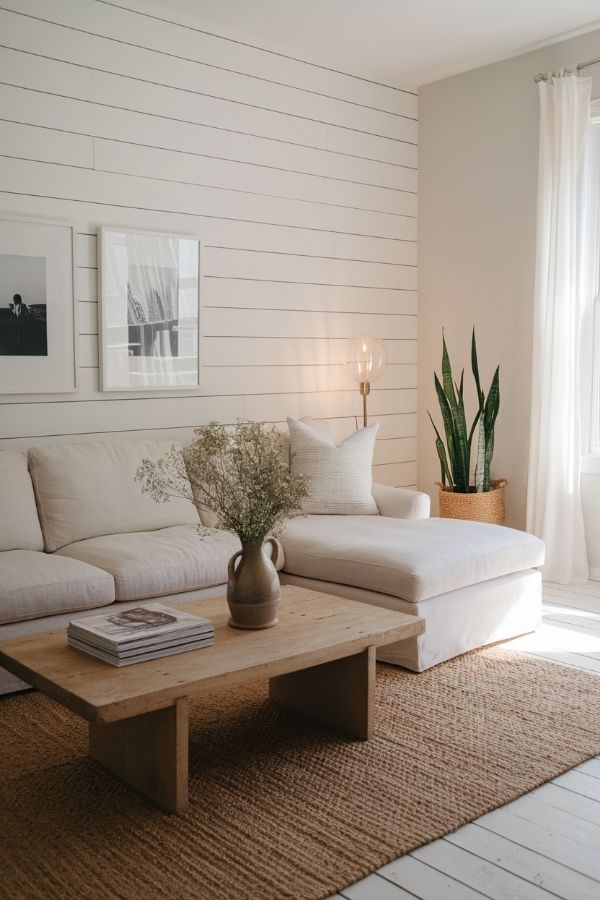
(281, 807)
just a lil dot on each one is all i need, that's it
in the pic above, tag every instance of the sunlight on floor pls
(569, 633)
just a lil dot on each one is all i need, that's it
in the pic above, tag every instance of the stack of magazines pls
(140, 634)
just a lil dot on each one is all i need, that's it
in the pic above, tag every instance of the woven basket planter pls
(489, 506)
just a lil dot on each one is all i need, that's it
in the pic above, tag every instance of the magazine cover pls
(141, 621)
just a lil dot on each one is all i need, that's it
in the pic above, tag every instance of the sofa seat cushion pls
(414, 559)
(87, 490)
(152, 563)
(19, 523)
(35, 584)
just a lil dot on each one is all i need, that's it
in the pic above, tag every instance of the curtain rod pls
(542, 76)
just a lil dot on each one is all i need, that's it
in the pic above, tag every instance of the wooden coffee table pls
(320, 660)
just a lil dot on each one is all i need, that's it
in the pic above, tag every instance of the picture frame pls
(149, 310)
(38, 318)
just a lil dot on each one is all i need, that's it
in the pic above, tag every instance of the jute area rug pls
(281, 807)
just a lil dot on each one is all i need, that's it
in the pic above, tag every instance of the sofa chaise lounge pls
(77, 535)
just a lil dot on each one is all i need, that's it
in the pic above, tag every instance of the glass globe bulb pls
(366, 358)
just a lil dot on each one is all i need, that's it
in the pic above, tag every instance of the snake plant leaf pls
(475, 368)
(447, 375)
(461, 387)
(441, 451)
(492, 404)
(452, 438)
(480, 468)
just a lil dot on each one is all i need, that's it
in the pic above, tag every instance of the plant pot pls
(488, 506)
(253, 590)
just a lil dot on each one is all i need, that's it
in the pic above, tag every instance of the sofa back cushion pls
(86, 490)
(339, 477)
(19, 523)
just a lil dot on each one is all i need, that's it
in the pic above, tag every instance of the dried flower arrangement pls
(239, 473)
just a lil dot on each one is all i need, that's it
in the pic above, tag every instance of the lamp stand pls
(365, 388)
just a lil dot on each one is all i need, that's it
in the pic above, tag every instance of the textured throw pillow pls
(339, 478)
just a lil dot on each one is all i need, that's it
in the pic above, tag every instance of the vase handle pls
(231, 564)
(275, 551)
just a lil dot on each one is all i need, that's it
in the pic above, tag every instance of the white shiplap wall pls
(299, 180)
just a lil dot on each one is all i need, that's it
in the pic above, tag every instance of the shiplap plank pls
(299, 241)
(17, 419)
(425, 882)
(314, 325)
(31, 105)
(480, 874)
(238, 293)
(189, 105)
(276, 407)
(232, 380)
(527, 864)
(128, 191)
(217, 351)
(126, 159)
(399, 474)
(194, 43)
(89, 216)
(252, 264)
(294, 351)
(24, 142)
(328, 270)
(87, 318)
(391, 425)
(213, 90)
(393, 451)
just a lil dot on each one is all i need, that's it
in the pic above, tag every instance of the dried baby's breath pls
(239, 473)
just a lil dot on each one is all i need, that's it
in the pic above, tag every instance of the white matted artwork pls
(149, 311)
(37, 309)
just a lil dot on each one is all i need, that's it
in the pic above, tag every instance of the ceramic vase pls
(253, 590)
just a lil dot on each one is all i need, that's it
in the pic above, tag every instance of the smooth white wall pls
(300, 182)
(478, 146)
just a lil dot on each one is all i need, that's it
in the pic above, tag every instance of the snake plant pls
(455, 454)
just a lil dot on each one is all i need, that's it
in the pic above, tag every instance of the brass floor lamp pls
(366, 359)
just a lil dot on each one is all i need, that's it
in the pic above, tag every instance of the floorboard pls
(543, 845)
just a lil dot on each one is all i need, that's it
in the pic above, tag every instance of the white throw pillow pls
(339, 478)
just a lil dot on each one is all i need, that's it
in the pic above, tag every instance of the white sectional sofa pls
(77, 534)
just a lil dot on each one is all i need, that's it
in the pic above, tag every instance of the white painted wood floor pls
(545, 844)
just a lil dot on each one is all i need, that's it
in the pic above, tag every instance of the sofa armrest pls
(401, 503)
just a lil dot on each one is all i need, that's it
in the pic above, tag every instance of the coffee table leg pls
(149, 752)
(339, 693)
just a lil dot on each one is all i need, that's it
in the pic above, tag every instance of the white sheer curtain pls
(554, 509)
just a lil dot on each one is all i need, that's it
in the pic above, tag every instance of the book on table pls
(135, 635)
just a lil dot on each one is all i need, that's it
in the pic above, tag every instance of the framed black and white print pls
(149, 311)
(37, 309)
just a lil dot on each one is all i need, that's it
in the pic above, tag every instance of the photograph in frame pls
(37, 309)
(150, 311)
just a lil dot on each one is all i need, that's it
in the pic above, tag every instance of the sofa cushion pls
(411, 559)
(339, 477)
(86, 490)
(153, 563)
(19, 523)
(34, 584)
